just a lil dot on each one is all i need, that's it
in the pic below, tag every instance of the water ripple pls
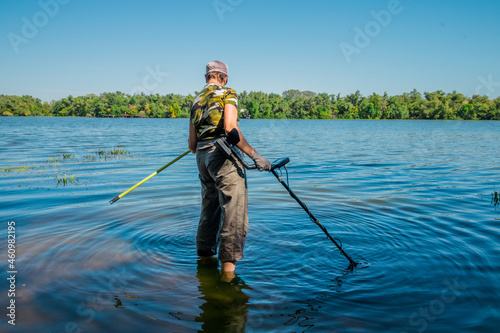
(410, 201)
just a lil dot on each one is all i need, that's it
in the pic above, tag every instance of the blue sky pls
(54, 48)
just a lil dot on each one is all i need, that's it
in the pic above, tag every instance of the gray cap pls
(217, 66)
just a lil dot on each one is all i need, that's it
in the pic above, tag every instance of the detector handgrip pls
(224, 147)
(245, 164)
(229, 150)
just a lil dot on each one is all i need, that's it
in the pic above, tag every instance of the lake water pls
(410, 201)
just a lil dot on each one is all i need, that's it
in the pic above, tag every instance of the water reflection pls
(226, 305)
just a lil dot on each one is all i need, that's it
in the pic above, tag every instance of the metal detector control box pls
(279, 163)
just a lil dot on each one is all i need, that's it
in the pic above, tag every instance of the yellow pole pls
(149, 177)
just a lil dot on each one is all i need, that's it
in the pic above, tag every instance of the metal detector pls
(228, 146)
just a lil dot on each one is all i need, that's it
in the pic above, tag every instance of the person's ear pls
(225, 80)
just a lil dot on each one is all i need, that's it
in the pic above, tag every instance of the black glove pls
(261, 162)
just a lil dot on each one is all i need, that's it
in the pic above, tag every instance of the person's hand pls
(261, 162)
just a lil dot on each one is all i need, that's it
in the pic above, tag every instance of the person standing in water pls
(223, 223)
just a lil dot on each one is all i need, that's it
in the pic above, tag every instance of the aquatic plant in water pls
(89, 157)
(54, 163)
(65, 180)
(67, 156)
(118, 151)
(19, 169)
(113, 152)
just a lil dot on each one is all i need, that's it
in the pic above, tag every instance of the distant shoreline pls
(256, 119)
(291, 104)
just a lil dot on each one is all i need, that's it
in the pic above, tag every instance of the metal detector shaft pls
(118, 197)
(351, 262)
(227, 146)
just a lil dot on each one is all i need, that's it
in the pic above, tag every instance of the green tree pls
(324, 113)
(175, 110)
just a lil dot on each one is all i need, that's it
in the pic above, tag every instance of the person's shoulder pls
(230, 96)
(206, 90)
(230, 91)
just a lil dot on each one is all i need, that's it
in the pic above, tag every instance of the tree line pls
(291, 104)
